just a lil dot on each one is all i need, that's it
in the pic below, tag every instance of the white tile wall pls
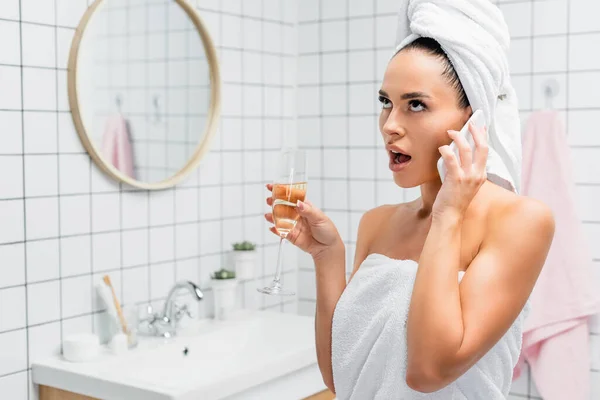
(10, 78)
(13, 256)
(75, 215)
(38, 45)
(12, 123)
(13, 307)
(71, 214)
(337, 112)
(43, 262)
(9, 49)
(520, 22)
(65, 224)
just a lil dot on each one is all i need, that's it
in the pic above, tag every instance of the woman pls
(492, 239)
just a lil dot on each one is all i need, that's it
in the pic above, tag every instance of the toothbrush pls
(108, 283)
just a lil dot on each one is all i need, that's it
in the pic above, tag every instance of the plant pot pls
(225, 294)
(244, 264)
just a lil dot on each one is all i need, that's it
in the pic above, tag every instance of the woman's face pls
(418, 107)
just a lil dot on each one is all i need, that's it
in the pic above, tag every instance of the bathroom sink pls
(266, 353)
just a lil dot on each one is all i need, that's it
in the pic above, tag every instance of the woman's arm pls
(331, 281)
(316, 234)
(451, 326)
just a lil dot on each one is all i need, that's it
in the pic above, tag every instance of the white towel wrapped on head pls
(475, 37)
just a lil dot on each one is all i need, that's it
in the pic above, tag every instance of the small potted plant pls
(224, 284)
(244, 256)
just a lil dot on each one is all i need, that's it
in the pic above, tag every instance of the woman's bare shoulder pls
(370, 223)
(511, 211)
(374, 220)
(377, 216)
(378, 213)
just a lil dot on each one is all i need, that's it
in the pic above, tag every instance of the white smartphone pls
(478, 119)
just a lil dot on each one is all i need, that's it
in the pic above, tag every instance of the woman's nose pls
(392, 128)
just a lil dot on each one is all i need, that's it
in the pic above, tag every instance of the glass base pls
(275, 291)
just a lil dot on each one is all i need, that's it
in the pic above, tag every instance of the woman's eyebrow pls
(406, 96)
(414, 95)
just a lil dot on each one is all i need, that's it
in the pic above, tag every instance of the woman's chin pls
(405, 182)
(410, 180)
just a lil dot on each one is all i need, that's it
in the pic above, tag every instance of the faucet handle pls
(180, 311)
(148, 321)
(150, 316)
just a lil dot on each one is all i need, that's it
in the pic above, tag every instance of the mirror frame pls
(213, 110)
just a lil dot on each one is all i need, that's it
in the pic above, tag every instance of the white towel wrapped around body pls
(369, 348)
(476, 39)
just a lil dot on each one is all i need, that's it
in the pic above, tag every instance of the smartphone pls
(478, 119)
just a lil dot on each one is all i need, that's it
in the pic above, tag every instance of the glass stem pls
(277, 279)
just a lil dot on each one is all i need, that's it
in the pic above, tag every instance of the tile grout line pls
(283, 136)
(320, 91)
(242, 151)
(199, 210)
(148, 192)
(375, 121)
(175, 189)
(27, 355)
(262, 300)
(219, 50)
(91, 236)
(177, 273)
(58, 188)
(347, 150)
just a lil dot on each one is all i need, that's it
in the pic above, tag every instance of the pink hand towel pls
(116, 146)
(555, 338)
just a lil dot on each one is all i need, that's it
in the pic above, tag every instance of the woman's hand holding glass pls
(296, 220)
(314, 232)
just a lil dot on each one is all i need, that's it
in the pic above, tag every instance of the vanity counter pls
(260, 354)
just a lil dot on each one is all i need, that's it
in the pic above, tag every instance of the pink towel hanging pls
(555, 338)
(116, 146)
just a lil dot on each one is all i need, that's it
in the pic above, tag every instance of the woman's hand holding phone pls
(465, 168)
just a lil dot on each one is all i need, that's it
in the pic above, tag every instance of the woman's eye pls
(385, 103)
(419, 105)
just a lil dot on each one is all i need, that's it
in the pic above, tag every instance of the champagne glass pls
(289, 186)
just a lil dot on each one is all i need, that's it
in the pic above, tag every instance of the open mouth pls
(399, 158)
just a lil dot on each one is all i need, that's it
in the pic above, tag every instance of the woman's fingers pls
(269, 218)
(269, 187)
(274, 230)
(464, 150)
(450, 160)
(481, 147)
(312, 214)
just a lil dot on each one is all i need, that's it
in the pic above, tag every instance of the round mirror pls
(144, 89)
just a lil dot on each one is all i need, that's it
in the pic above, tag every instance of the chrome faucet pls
(165, 323)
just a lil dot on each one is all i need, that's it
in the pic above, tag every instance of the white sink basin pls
(256, 355)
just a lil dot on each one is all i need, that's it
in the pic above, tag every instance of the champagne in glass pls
(289, 186)
(285, 198)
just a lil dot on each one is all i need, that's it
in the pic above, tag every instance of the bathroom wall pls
(344, 46)
(64, 224)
